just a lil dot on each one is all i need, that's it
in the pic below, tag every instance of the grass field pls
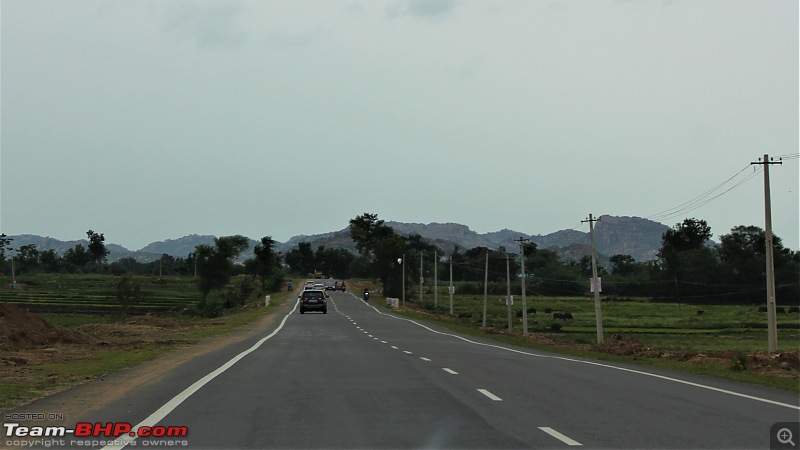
(96, 294)
(664, 325)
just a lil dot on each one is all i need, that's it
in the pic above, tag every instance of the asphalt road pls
(358, 377)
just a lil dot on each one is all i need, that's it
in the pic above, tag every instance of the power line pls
(706, 197)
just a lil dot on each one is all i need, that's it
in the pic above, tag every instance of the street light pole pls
(421, 278)
(452, 290)
(404, 279)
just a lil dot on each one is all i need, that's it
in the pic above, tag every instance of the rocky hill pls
(633, 236)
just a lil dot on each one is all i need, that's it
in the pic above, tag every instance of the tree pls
(623, 265)
(214, 264)
(128, 294)
(687, 260)
(742, 253)
(77, 257)
(375, 239)
(265, 263)
(301, 259)
(97, 249)
(28, 259)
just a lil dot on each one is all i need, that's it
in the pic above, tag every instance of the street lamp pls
(402, 261)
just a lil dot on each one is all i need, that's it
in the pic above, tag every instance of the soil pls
(27, 341)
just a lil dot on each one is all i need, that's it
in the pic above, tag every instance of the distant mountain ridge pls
(635, 236)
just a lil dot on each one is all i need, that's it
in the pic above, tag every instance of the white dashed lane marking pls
(490, 395)
(559, 436)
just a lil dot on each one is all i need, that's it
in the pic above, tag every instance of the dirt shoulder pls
(28, 344)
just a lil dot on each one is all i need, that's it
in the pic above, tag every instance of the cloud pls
(208, 23)
(423, 9)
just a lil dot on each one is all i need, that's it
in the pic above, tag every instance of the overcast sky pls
(151, 120)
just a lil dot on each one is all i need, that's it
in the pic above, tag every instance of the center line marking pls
(407, 352)
(452, 372)
(424, 358)
(490, 395)
(396, 348)
(559, 436)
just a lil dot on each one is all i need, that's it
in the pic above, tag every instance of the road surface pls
(359, 377)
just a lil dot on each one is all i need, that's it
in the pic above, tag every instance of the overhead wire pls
(705, 197)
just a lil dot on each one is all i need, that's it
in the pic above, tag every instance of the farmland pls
(673, 326)
(96, 294)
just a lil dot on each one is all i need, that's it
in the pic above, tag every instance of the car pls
(319, 286)
(309, 284)
(313, 300)
(339, 286)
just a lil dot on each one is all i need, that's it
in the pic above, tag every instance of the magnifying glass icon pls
(785, 436)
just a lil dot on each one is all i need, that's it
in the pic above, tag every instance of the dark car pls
(313, 300)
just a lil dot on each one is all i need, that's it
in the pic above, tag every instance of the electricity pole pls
(404, 279)
(508, 290)
(421, 279)
(452, 290)
(597, 313)
(435, 279)
(485, 287)
(772, 320)
(523, 276)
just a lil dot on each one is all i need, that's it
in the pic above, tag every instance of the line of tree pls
(687, 267)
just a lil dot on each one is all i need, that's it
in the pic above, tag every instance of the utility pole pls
(508, 290)
(485, 287)
(451, 289)
(421, 278)
(598, 316)
(523, 276)
(404, 279)
(772, 320)
(435, 279)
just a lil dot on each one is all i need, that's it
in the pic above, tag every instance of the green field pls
(671, 326)
(96, 294)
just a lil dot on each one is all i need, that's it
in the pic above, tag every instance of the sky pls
(152, 120)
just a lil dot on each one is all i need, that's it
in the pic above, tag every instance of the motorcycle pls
(366, 296)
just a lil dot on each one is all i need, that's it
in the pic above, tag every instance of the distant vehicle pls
(313, 300)
(319, 286)
(330, 285)
(309, 284)
(339, 286)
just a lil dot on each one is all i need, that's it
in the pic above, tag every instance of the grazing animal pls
(568, 316)
(794, 309)
(700, 312)
(519, 313)
(780, 309)
(531, 310)
(548, 310)
(558, 316)
(762, 308)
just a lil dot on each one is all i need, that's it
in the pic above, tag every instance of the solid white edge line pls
(168, 407)
(565, 439)
(490, 395)
(608, 366)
